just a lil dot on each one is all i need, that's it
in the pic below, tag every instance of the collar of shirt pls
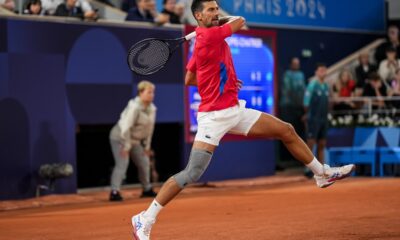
(147, 109)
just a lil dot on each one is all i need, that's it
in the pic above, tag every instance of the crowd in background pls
(374, 76)
(137, 10)
(380, 78)
(377, 78)
(306, 103)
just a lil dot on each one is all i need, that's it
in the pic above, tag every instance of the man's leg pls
(199, 160)
(171, 188)
(321, 150)
(268, 126)
(310, 143)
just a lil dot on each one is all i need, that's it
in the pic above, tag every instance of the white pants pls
(212, 126)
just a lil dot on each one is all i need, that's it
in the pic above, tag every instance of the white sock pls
(316, 167)
(153, 210)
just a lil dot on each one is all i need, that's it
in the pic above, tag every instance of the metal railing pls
(376, 111)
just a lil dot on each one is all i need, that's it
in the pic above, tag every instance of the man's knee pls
(288, 132)
(198, 163)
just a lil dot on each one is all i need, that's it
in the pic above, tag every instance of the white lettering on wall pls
(237, 4)
(277, 7)
(249, 6)
(260, 6)
(290, 8)
(245, 42)
(301, 8)
(321, 9)
(311, 9)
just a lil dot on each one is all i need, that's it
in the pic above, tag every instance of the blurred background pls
(64, 81)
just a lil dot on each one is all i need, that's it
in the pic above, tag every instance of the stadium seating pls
(390, 154)
(363, 150)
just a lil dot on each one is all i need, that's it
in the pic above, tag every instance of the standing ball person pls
(131, 137)
(211, 69)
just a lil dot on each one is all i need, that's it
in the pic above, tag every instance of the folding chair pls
(363, 150)
(391, 153)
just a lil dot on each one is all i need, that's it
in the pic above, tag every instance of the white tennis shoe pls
(141, 227)
(332, 174)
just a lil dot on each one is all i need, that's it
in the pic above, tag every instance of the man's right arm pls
(236, 22)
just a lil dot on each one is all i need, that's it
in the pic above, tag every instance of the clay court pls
(266, 208)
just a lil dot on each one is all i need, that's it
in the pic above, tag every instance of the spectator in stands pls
(291, 100)
(393, 40)
(316, 103)
(375, 88)
(128, 4)
(169, 9)
(8, 4)
(50, 6)
(343, 88)
(180, 11)
(187, 17)
(131, 136)
(88, 12)
(388, 67)
(68, 9)
(146, 12)
(362, 71)
(395, 84)
(34, 7)
(291, 103)
(107, 2)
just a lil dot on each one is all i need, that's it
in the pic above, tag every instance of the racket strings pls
(148, 56)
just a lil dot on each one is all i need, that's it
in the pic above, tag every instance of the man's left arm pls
(190, 79)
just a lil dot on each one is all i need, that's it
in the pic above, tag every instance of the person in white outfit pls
(388, 67)
(131, 137)
(50, 7)
(8, 4)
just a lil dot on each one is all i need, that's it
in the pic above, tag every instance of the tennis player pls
(211, 70)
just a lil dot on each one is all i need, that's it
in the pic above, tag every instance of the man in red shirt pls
(211, 70)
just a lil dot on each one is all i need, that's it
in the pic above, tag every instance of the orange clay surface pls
(263, 208)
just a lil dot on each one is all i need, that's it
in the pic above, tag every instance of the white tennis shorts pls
(212, 126)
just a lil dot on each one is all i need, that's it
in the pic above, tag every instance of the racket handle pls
(190, 36)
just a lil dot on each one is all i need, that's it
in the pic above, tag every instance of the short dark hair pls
(374, 76)
(164, 2)
(318, 65)
(197, 5)
(390, 49)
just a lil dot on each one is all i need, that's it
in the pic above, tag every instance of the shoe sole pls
(135, 236)
(333, 180)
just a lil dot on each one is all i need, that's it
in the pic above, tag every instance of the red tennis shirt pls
(213, 65)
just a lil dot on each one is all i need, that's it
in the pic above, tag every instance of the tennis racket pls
(151, 54)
